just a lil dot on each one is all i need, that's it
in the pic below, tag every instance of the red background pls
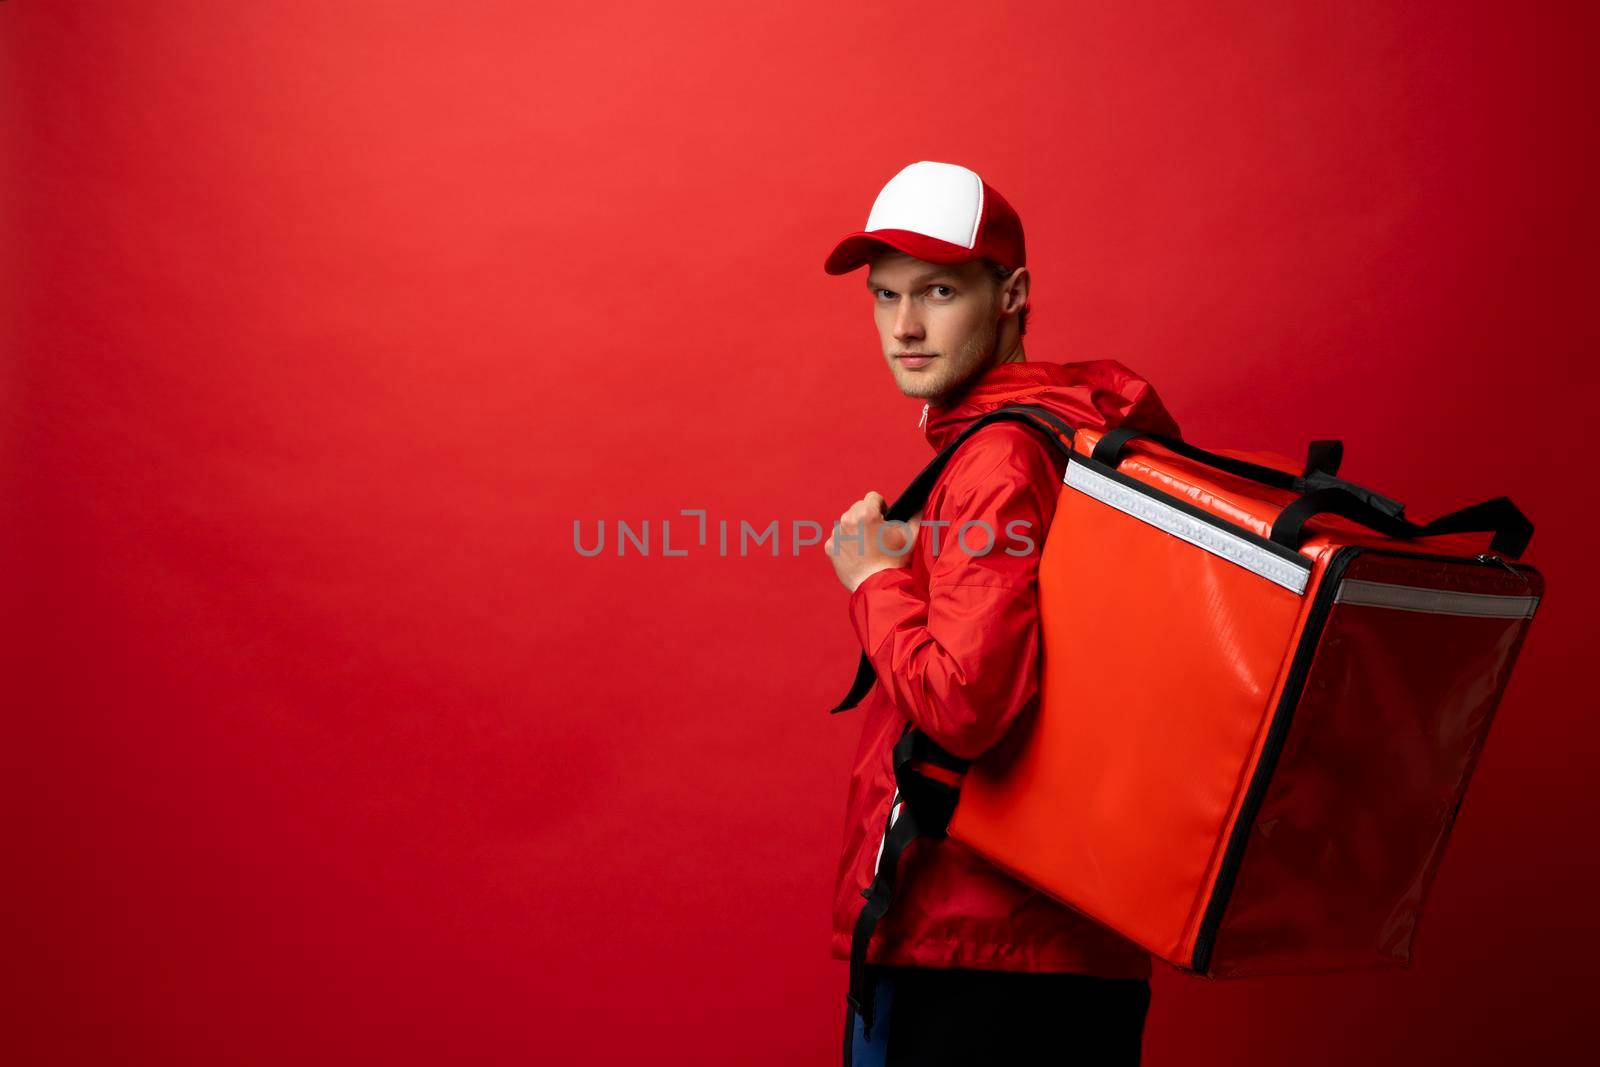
(323, 322)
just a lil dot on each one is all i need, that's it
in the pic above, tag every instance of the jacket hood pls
(1097, 394)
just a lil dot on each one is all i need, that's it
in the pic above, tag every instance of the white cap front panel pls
(940, 200)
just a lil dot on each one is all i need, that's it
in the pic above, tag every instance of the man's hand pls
(864, 543)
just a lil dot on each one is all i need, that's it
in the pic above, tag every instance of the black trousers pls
(958, 1016)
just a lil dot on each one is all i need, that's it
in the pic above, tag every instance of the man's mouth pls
(914, 359)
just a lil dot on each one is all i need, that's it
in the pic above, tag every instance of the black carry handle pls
(1511, 528)
(1322, 464)
(1323, 492)
(915, 496)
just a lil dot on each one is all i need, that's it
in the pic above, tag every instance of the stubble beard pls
(970, 360)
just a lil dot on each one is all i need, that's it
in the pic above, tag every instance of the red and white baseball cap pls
(939, 212)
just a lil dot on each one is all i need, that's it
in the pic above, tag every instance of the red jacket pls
(954, 639)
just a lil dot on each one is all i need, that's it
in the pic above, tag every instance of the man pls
(970, 965)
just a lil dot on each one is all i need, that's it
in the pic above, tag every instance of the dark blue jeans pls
(927, 1016)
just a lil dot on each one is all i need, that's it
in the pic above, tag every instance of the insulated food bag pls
(1263, 692)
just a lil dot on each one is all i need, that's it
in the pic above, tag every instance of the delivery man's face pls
(937, 323)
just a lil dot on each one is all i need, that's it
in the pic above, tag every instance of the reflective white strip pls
(1435, 601)
(894, 813)
(1178, 523)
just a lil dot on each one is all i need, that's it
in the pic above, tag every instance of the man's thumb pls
(905, 536)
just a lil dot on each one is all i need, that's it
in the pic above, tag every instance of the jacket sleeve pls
(960, 656)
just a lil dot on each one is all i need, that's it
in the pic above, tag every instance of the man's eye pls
(884, 294)
(944, 292)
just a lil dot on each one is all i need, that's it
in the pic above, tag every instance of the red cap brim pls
(859, 248)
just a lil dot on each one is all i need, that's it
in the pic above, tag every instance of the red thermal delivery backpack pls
(1262, 694)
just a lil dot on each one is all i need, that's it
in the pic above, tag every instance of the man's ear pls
(1014, 291)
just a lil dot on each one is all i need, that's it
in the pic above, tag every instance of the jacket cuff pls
(888, 589)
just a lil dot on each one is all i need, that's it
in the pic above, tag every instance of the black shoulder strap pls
(922, 804)
(915, 496)
(921, 807)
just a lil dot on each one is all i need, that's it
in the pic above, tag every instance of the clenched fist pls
(864, 543)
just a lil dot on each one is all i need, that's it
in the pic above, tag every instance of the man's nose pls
(907, 323)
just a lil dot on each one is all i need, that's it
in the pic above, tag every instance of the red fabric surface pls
(320, 324)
